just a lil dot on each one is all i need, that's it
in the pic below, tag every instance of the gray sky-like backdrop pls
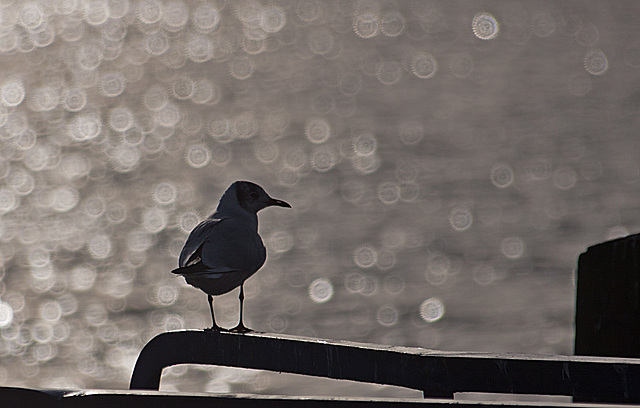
(447, 162)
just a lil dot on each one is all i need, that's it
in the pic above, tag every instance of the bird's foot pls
(241, 328)
(215, 328)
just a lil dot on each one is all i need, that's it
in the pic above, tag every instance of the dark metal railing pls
(436, 373)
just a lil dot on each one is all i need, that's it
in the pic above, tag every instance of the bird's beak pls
(280, 203)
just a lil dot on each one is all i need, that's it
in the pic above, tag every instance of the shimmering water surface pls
(446, 162)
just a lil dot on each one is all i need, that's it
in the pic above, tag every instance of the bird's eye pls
(253, 195)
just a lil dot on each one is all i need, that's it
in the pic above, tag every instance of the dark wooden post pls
(608, 299)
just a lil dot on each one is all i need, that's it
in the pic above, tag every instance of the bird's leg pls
(240, 328)
(215, 327)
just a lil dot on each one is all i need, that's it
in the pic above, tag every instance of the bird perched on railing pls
(224, 250)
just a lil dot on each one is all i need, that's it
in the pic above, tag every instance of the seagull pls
(224, 250)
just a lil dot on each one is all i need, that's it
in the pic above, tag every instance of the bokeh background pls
(447, 162)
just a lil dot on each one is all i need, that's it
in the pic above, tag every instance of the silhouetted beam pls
(436, 373)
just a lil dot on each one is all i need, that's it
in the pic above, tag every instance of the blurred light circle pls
(24, 42)
(565, 178)
(8, 41)
(219, 128)
(512, 247)
(20, 180)
(176, 15)
(114, 30)
(386, 259)
(221, 155)
(31, 16)
(156, 43)
(411, 132)
(460, 218)
(205, 92)
(409, 191)
(155, 98)
(485, 26)
(112, 84)
(74, 165)
(368, 286)
(350, 83)
(64, 199)
(320, 41)
(16, 124)
(365, 144)
(295, 158)
(39, 257)
(183, 87)
(484, 274)
(387, 316)
(543, 23)
(366, 164)
(168, 116)
(389, 72)
(42, 332)
(121, 119)
(431, 310)
(241, 68)
(116, 212)
(423, 65)
(272, 19)
(321, 290)
(393, 284)
(6, 314)
(389, 192)
(88, 56)
(26, 140)
(579, 84)
(12, 92)
(199, 48)
(244, 126)
(461, 65)
(266, 152)
(317, 130)
(205, 17)
(166, 295)
(74, 99)
(100, 246)
(365, 256)
(51, 311)
(96, 12)
(154, 220)
(501, 175)
(281, 241)
(124, 158)
(187, 221)
(85, 127)
(198, 156)
(595, 62)
(165, 193)
(45, 98)
(323, 159)
(94, 206)
(438, 266)
(392, 23)
(8, 200)
(149, 11)
(365, 24)
(587, 34)
(253, 42)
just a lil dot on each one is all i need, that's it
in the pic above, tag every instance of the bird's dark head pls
(253, 198)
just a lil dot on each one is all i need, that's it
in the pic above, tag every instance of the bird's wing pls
(236, 246)
(196, 239)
